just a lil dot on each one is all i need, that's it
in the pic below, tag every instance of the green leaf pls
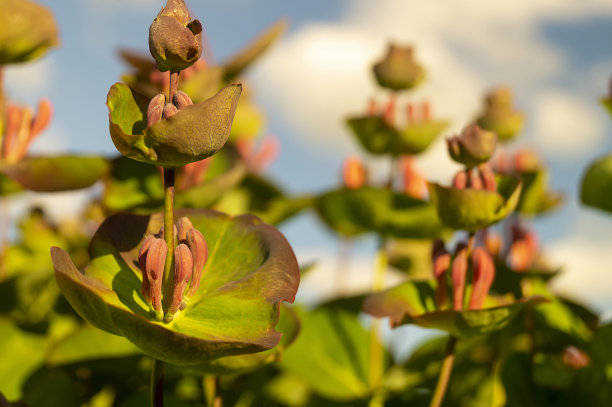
(351, 212)
(250, 270)
(413, 303)
(60, 173)
(474, 209)
(535, 198)
(332, 354)
(8, 186)
(88, 343)
(27, 31)
(194, 133)
(203, 84)
(241, 60)
(378, 137)
(21, 354)
(596, 183)
(288, 325)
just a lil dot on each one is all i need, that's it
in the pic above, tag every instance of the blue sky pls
(556, 55)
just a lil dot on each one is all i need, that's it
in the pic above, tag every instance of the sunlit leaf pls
(250, 270)
(596, 184)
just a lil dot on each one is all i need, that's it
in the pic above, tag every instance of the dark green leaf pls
(596, 184)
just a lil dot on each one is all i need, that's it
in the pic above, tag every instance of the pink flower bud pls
(487, 176)
(474, 180)
(414, 183)
(199, 251)
(524, 248)
(389, 113)
(526, 160)
(458, 274)
(154, 272)
(42, 119)
(155, 109)
(575, 358)
(493, 243)
(353, 173)
(460, 180)
(184, 225)
(426, 111)
(441, 263)
(484, 273)
(170, 110)
(181, 99)
(183, 270)
(410, 117)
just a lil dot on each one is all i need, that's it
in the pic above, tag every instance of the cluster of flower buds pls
(524, 248)
(458, 265)
(473, 146)
(575, 358)
(257, 160)
(21, 128)
(162, 79)
(159, 108)
(190, 255)
(523, 160)
(354, 174)
(481, 177)
(415, 184)
(415, 112)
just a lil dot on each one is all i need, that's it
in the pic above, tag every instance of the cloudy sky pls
(555, 54)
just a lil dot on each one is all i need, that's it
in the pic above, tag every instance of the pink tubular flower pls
(21, 128)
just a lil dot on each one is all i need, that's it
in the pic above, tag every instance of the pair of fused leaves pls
(250, 270)
(351, 212)
(474, 209)
(413, 302)
(378, 137)
(195, 132)
(27, 31)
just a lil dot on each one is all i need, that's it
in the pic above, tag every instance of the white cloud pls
(26, 82)
(114, 6)
(320, 74)
(566, 125)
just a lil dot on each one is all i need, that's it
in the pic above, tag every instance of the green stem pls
(376, 348)
(157, 384)
(445, 373)
(169, 176)
(212, 399)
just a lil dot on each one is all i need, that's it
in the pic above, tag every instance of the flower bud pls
(474, 180)
(414, 183)
(398, 70)
(499, 115)
(155, 109)
(484, 273)
(458, 274)
(460, 180)
(473, 146)
(524, 248)
(575, 358)
(174, 41)
(154, 271)
(353, 173)
(184, 225)
(170, 110)
(181, 99)
(183, 270)
(487, 176)
(441, 262)
(526, 160)
(199, 251)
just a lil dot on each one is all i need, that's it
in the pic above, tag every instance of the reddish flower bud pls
(458, 274)
(487, 176)
(199, 251)
(493, 243)
(484, 273)
(389, 113)
(184, 225)
(170, 110)
(42, 119)
(524, 248)
(441, 263)
(372, 108)
(460, 180)
(414, 184)
(155, 109)
(181, 99)
(183, 270)
(410, 117)
(474, 180)
(575, 358)
(353, 173)
(426, 111)
(154, 272)
(526, 160)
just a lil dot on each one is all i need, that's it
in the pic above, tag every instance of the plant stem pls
(376, 348)
(169, 176)
(212, 399)
(445, 373)
(157, 384)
